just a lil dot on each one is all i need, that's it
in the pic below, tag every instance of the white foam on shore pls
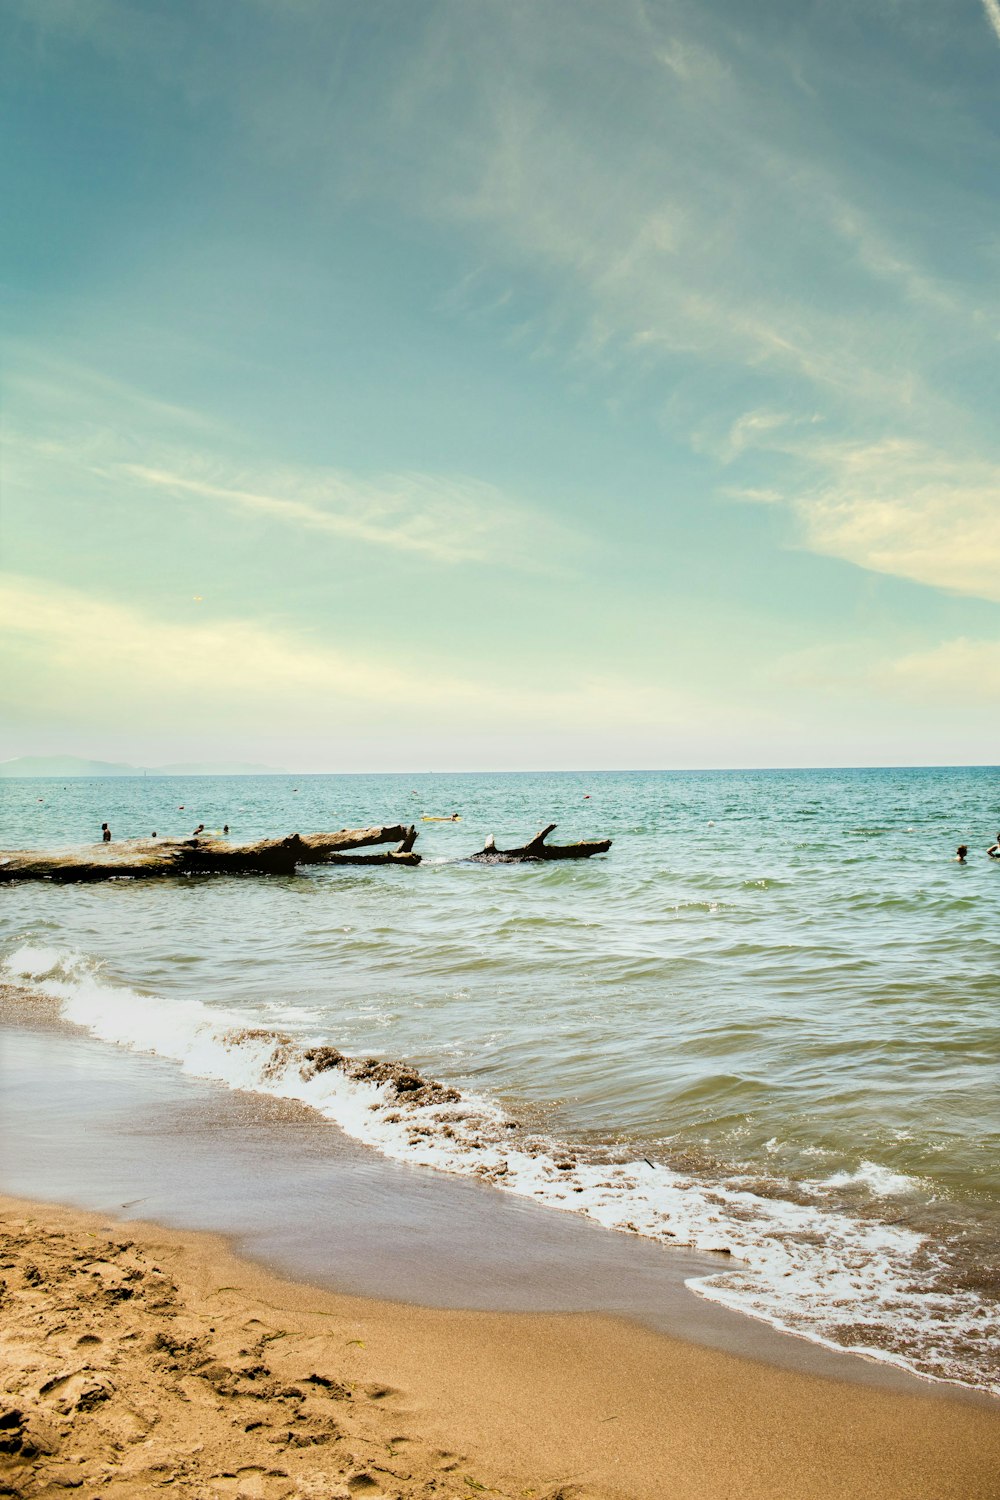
(806, 1267)
(879, 1180)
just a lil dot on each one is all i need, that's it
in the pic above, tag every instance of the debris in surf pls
(135, 859)
(537, 848)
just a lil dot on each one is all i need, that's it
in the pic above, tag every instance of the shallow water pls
(767, 1021)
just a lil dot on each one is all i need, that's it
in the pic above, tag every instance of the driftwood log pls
(145, 859)
(402, 855)
(150, 858)
(318, 848)
(537, 849)
(137, 858)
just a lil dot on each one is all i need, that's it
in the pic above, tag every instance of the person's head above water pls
(961, 852)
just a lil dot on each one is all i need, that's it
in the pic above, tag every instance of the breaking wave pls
(793, 1256)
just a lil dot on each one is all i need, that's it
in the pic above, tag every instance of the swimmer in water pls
(994, 853)
(105, 833)
(199, 829)
(961, 852)
(225, 827)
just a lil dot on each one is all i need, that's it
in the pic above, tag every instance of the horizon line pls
(147, 773)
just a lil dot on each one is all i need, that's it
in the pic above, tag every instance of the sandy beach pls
(137, 1359)
(500, 626)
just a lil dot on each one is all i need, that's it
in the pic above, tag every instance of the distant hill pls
(75, 765)
(64, 765)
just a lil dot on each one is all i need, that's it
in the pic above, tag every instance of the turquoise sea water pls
(767, 1022)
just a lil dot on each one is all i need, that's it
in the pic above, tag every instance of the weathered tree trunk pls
(133, 859)
(144, 859)
(537, 849)
(402, 855)
(137, 858)
(264, 857)
(319, 847)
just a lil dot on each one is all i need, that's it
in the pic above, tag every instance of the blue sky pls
(402, 384)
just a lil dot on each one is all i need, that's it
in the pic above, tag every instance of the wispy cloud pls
(992, 9)
(690, 62)
(758, 429)
(104, 655)
(64, 391)
(665, 210)
(684, 224)
(898, 506)
(84, 660)
(904, 508)
(451, 520)
(63, 417)
(962, 672)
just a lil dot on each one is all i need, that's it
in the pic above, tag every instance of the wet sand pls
(140, 1359)
(365, 1328)
(95, 1126)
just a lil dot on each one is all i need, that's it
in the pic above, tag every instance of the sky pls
(501, 384)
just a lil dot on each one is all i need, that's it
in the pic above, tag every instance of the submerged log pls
(537, 849)
(402, 855)
(144, 859)
(320, 847)
(201, 856)
(134, 859)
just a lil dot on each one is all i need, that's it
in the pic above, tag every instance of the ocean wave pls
(794, 1257)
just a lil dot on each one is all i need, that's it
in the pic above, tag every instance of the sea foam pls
(798, 1262)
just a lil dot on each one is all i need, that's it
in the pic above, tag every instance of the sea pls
(766, 1024)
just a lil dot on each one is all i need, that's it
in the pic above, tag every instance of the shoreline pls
(109, 1130)
(215, 1377)
(113, 1130)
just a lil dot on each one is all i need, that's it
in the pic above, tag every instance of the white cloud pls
(643, 159)
(685, 220)
(899, 506)
(689, 62)
(751, 495)
(68, 418)
(79, 660)
(451, 520)
(113, 656)
(992, 9)
(861, 688)
(904, 508)
(754, 429)
(962, 671)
